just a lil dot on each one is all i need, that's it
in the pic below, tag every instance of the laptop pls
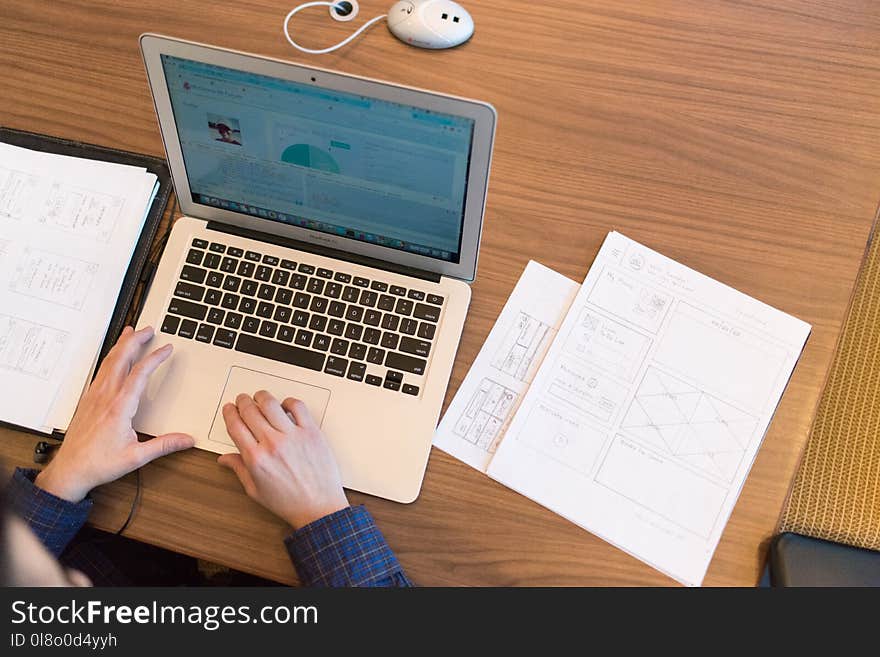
(331, 226)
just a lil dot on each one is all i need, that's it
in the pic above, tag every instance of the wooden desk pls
(742, 139)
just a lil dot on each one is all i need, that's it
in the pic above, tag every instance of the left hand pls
(100, 446)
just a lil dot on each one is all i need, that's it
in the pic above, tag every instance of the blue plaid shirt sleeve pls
(344, 548)
(55, 521)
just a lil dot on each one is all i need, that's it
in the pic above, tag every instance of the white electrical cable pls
(322, 51)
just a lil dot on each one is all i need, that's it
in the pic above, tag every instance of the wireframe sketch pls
(563, 436)
(83, 212)
(16, 190)
(486, 413)
(526, 339)
(54, 278)
(607, 344)
(686, 422)
(29, 348)
(627, 297)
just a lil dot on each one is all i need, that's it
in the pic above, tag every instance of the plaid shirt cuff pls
(344, 548)
(55, 521)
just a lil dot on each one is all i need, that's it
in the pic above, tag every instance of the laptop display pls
(348, 165)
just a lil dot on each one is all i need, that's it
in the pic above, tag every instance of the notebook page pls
(650, 407)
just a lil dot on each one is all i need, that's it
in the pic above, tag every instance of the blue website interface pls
(349, 165)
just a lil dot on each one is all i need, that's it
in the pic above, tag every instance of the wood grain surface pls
(740, 138)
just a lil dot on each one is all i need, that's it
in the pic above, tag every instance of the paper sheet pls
(650, 407)
(476, 419)
(68, 228)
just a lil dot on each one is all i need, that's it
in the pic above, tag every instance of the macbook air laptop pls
(331, 224)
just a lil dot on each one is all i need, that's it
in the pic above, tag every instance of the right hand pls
(284, 461)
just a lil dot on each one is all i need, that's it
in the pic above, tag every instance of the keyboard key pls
(409, 389)
(170, 324)
(233, 320)
(265, 309)
(321, 342)
(351, 294)
(427, 330)
(288, 264)
(246, 269)
(189, 291)
(215, 315)
(250, 288)
(379, 286)
(284, 295)
(405, 363)
(373, 380)
(324, 273)
(282, 314)
(417, 295)
(399, 291)
(336, 366)
(354, 313)
(336, 309)
(217, 248)
(247, 305)
(280, 352)
(306, 269)
(304, 337)
(354, 331)
(280, 277)
(193, 274)
(235, 252)
(368, 298)
(187, 309)
(268, 329)
(200, 244)
(391, 384)
(214, 279)
(389, 340)
(318, 323)
(272, 261)
(194, 257)
(435, 299)
(336, 327)
(390, 322)
(263, 273)
(333, 290)
(253, 256)
(342, 277)
(372, 318)
(298, 282)
(408, 326)
(251, 325)
(394, 376)
(315, 286)
(339, 347)
(376, 355)
(403, 307)
(229, 265)
(299, 318)
(214, 297)
(386, 302)
(361, 282)
(301, 300)
(286, 333)
(358, 351)
(319, 305)
(356, 371)
(211, 261)
(231, 283)
(426, 312)
(415, 347)
(230, 301)
(225, 338)
(372, 336)
(266, 292)
(205, 333)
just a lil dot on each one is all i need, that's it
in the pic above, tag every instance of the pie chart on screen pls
(306, 155)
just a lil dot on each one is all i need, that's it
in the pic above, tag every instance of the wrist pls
(301, 517)
(56, 481)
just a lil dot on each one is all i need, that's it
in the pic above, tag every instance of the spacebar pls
(281, 352)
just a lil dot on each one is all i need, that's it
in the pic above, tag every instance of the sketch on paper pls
(523, 345)
(485, 414)
(29, 348)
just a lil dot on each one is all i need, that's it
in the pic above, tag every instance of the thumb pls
(235, 463)
(164, 445)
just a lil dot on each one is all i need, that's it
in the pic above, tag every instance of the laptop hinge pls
(325, 251)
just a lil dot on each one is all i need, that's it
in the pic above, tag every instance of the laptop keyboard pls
(296, 313)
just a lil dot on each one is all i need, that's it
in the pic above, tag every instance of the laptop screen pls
(353, 166)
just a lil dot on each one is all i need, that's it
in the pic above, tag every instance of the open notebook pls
(632, 405)
(68, 228)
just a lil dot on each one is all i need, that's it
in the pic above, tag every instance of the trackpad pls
(246, 381)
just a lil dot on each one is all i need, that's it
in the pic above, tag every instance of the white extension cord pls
(334, 8)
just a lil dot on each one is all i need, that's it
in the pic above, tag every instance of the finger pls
(123, 354)
(300, 412)
(235, 463)
(237, 429)
(272, 411)
(136, 381)
(159, 446)
(252, 415)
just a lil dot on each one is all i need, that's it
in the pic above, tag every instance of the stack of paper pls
(68, 229)
(633, 405)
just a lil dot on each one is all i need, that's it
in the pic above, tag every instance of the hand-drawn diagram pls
(29, 348)
(81, 211)
(16, 189)
(626, 297)
(588, 391)
(54, 278)
(562, 436)
(690, 424)
(523, 347)
(607, 344)
(486, 412)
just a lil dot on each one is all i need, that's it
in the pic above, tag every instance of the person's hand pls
(284, 463)
(100, 445)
